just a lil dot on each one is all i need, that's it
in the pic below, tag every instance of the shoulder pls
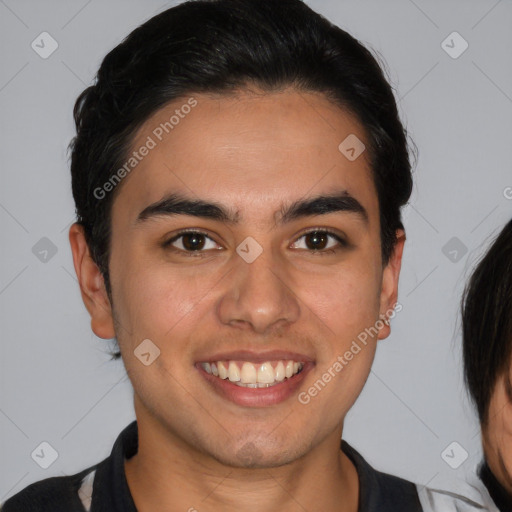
(57, 494)
(468, 495)
(380, 491)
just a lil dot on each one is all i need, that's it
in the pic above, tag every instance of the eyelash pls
(197, 254)
(201, 253)
(343, 244)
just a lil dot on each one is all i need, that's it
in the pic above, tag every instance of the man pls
(487, 350)
(238, 173)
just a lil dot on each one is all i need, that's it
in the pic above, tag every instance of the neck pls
(168, 474)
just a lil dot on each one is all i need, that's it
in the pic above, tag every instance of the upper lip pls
(256, 357)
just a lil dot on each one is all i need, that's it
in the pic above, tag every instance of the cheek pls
(345, 301)
(345, 308)
(155, 300)
(498, 435)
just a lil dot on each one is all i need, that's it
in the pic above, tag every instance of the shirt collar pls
(378, 492)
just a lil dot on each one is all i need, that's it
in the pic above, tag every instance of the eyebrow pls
(323, 205)
(177, 204)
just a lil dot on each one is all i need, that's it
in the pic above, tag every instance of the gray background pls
(57, 383)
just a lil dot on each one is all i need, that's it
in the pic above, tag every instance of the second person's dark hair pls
(487, 322)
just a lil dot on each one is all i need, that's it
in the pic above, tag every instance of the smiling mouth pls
(248, 375)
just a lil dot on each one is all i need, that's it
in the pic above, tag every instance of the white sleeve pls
(462, 496)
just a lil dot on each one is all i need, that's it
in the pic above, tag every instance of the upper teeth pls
(253, 375)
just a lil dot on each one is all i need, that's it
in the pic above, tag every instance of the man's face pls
(497, 435)
(252, 286)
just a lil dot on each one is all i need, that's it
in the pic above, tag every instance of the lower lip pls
(256, 397)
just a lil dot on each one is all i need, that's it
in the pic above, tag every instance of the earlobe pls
(389, 290)
(92, 285)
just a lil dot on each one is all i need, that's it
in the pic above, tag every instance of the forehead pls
(248, 148)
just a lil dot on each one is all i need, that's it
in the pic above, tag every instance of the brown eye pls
(316, 240)
(319, 241)
(191, 241)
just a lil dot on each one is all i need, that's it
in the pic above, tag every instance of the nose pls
(258, 296)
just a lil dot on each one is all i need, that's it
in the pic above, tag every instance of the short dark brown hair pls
(220, 46)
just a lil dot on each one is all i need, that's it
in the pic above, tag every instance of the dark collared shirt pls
(378, 492)
(499, 495)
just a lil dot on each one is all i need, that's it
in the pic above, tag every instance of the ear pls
(389, 290)
(92, 285)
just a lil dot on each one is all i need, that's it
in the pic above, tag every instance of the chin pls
(253, 455)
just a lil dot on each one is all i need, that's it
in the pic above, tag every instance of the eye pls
(191, 242)
(318, 241)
